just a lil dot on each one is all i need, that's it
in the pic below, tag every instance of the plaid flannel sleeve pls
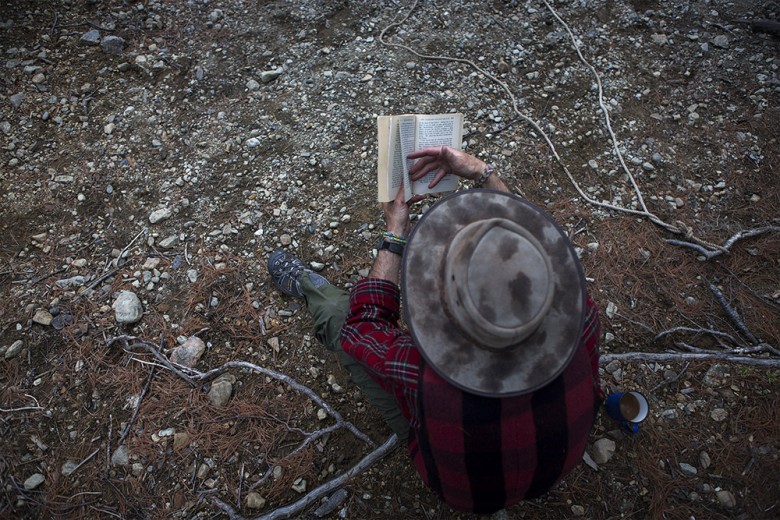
(372, 336)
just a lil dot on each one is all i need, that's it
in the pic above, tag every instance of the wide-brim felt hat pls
(493, 293)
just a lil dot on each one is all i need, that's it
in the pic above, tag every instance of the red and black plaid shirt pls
(477, 453)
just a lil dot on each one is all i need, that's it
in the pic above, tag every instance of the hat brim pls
(539, 358)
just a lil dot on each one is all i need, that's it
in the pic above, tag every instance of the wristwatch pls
(393, 247)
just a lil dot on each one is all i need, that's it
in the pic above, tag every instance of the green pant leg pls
(329, 306)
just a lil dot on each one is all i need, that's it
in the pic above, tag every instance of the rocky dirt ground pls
(154, 152)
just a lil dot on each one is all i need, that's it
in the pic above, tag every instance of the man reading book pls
(494, 387)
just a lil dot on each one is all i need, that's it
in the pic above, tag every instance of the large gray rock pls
(159, 215)
(268, 76)
(603, 449)
(42, 317)
(128, 308)
(34, 481)
(16, 99)
(91, 37)
(113, 45)
(222, 389)
(14, 349)
(121, 457)
(189, 352)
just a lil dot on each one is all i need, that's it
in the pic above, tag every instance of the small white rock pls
(34, 481)
(128, 308)
(603, 450)
(159, 215)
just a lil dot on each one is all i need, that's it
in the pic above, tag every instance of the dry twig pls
(24, 408)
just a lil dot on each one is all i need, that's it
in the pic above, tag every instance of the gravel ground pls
(154, 152)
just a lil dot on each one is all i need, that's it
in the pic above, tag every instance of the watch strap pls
(393, 247)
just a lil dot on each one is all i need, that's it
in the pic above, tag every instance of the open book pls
(401, 135)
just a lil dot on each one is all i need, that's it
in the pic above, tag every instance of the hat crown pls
(499, 283)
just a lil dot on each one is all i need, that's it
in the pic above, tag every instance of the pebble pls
(180, 440)
(113, 45)
(121, 457)
(717, 375)
(14, 349)
(603, 450)
(42, 317)
(33, 481)
(268, 76)
(660, 39)
(91, 37)
(168, 243)
(252, 142)
(704, 460)
(721, 41)
(577, 510)
(159, 215)
(68, 468)
(252, 85)
(300, 485)
(220, 392)
(687, 469)
(189, 353)
(719, 415)
(16, 100)
(38, 78)
(611, 310)
(726, 498)
(255, 501)
(128, 308)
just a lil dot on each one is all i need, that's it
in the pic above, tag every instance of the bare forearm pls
(494, 182)
(387, 266)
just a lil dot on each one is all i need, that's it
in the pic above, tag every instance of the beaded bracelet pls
(484, 177)
(392, 237)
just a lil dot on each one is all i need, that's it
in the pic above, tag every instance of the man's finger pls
(420, 164)
(439, 176)
(429, 151)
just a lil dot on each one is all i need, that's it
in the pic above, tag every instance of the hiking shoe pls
(286, 271)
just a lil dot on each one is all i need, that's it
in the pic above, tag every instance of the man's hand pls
(387, 265)
(397, 213)
(446, 160)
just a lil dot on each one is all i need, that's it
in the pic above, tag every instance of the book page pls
(438, 130)
(406, 129)
(383, 124)
(397, 176)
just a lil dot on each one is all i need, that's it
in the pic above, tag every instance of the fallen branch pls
(683, 357)
(696, 331)
(317, 493)
(709, 254)
(137, 407)
(731, 312)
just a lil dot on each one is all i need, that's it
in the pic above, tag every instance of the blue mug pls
(627, 408)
